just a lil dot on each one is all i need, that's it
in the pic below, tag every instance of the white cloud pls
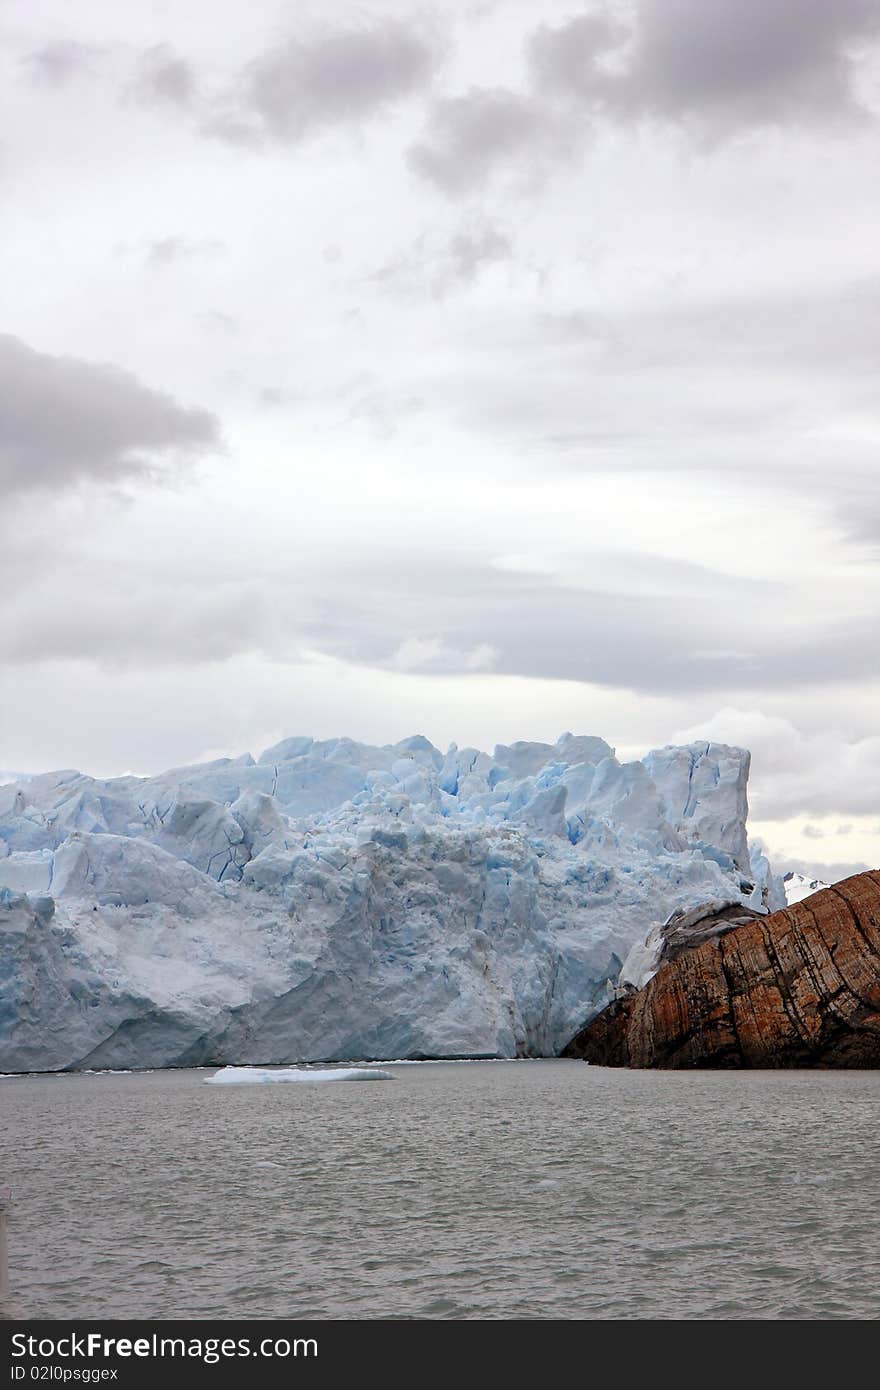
(433, 654)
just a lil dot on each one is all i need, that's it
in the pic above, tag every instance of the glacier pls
(336, 901)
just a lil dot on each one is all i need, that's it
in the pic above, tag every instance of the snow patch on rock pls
(798, 886)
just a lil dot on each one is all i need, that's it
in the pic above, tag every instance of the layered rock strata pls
(797, 988)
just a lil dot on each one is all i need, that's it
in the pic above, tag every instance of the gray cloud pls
(723, 67)
(815, 328)
(215, 321)
(435, 267)
(169, 249)
(65, 421)
(274, 397)
(626, 627)
(566, 58)
(469, 137)
(709, 65)
(380, 411)
(658, 627)
(641, 623)
(472, 249)
(760, 349)
(163, 620)
(758, 386)
(342, 76)
(857, 507)
(812, 868)
(58, 63)
(164, 78)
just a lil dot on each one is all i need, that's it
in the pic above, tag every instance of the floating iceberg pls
(259, 1076)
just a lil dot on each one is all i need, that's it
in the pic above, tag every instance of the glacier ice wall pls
(334, 900)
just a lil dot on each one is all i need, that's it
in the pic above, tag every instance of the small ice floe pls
(258, 1076)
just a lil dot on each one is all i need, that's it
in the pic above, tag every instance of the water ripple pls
(479, 1190)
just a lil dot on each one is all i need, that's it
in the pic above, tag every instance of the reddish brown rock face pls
(800, 988)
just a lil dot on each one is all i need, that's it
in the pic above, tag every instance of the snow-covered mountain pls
(798, 887)
(336, 900)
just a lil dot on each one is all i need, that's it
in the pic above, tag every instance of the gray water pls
(470, 1190)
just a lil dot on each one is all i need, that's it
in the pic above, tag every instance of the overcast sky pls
(484, 370)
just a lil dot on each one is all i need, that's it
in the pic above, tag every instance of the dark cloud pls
(469, 137)
(343, 76)
(164, 78)
(58, 63)
(717, 65)
(65, 421)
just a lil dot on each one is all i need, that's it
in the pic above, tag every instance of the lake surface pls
(458, 1190)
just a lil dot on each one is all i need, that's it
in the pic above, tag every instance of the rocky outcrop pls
(684, 929)
(797, 988)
